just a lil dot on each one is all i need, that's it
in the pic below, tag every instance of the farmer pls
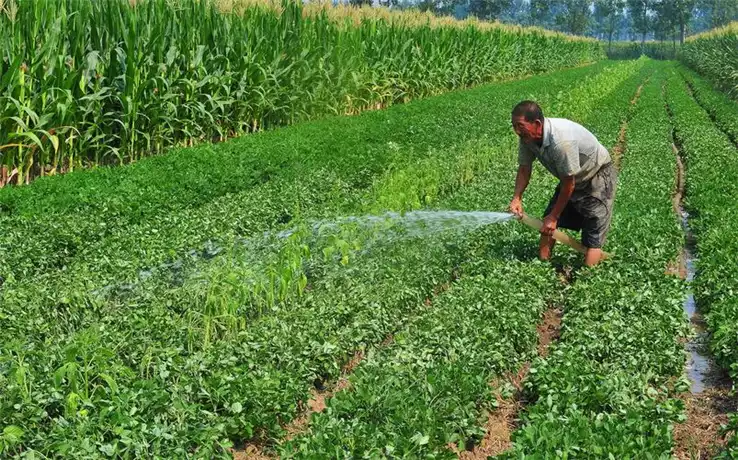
(584, 197)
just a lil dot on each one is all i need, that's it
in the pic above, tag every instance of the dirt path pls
(619, 149)
(699, 436)
(678, 267)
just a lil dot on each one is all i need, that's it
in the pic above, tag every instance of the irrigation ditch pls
(710, 399)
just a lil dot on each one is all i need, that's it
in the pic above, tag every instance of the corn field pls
(86, 83)
(714, 54)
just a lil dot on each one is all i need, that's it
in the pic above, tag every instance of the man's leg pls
(593, 257)
(594, 231)
(546, 244)
(545, 247)
(598, 212)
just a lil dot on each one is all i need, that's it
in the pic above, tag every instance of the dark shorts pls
(590, 208)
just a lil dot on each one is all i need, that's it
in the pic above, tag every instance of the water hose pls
(558, 235)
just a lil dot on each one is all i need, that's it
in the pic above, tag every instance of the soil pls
(500, 424)
(679, 186)
(250, 453)
(549, 330)
(699, 436)
(617, 151)
(678, 267)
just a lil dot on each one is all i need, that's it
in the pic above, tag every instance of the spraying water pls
(415, 224)
(386, 228)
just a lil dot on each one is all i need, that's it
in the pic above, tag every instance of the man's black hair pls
(530, 110)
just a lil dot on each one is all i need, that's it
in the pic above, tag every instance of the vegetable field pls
(285, 294)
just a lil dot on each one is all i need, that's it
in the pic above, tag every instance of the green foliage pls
(574, 16)
(164, 314)
(235, 187)
(430, 387)
(608, 14)
(639, 11)
(222, 343)
(722, 110)
(712, 55)
(425, 390)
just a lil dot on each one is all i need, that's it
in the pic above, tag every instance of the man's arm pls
(521, 183)
(565, 192)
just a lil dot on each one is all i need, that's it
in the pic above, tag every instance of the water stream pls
(415, 224)
(384, 228)
(700, 368)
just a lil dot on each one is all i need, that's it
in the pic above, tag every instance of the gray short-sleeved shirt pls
(568, 149)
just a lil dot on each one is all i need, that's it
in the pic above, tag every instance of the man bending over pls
(583, 199)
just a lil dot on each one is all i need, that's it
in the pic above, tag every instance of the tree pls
(540, 11)
(682, 13)
(640, 13)
(663, 22)
(672, 16)
(609, 15)
(721, 11)
(574, 16)
(517, 13)
(488, 9)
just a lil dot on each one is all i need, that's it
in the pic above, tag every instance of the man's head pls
(527, 121)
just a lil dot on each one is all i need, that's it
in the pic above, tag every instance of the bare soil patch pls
(699, 437)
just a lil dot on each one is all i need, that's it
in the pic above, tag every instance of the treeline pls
(610, 20)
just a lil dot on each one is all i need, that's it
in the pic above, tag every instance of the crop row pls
(191, 345)
(247, 376)
(712, 54)
(607, 387)
(430, 386)
(89, 83)
(722, 110)
(712, 165)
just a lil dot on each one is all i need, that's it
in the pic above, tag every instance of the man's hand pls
(549, 225)
(516, 206)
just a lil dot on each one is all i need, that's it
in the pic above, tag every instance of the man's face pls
(528, 132)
